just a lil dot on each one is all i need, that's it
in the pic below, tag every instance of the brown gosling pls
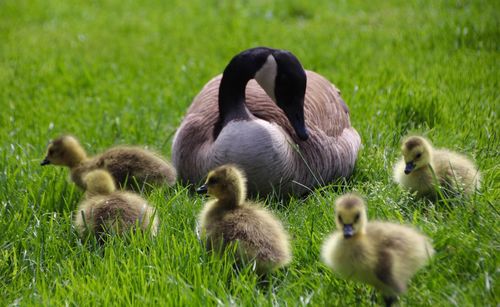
(229, 218)
(385, 255)
(131, 167)
(422, 167)
(108, 211)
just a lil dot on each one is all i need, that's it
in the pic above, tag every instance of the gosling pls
(131, 167)
(424, 169)
(106, 211)
(228, 218)
(382, 254)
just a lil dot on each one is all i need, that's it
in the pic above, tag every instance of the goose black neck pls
(241, 69)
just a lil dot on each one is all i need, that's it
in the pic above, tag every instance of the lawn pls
(124, 72)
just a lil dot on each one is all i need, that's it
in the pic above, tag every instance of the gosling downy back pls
(424, 169)
(288, 129)
(229, 219)
(107, 211)
(131, 167)
(385, 255)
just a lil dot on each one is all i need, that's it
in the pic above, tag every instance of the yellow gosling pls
(423, 167)
(131, 167)
(108, 211)
(230, 219)
(384, 255)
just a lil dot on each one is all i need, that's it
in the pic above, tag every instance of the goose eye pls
(418, 155)
(212, 181)
(51, 151)
(356, 218)
(340, 220)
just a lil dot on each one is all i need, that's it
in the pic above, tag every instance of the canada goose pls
(234, 120)
(106, 210)
(422, 166)
(382, 254)
(230, 219)
(132, 167)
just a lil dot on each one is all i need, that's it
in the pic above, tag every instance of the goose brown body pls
(230, 219)
(385, 255)
(131, 167)
(108, 211)
(264, 146)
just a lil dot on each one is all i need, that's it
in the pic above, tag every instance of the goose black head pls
(278, 72)
(284, 80)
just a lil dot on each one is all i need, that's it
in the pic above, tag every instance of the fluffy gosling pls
(108, 211)
(422, 167)
(230, 219)
(382, 254)
(131, 167)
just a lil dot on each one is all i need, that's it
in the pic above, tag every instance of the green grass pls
(116, 72)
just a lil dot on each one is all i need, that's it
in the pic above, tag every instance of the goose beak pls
(348, 231)
(301, 131)
(410, 166)
(202, 190)
(296, 118)
(45, 162)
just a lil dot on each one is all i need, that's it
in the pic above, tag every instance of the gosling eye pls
(212, 181)
(418, 155)
(356, 218)
(51, 151)
(340, 220)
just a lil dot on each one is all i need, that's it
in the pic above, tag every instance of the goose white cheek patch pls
(266, 76)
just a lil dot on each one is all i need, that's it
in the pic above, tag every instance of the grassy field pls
(124, 72)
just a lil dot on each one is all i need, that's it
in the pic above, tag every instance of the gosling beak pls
(348, 231)
(202, 190)
(45, 162)
(409, 167)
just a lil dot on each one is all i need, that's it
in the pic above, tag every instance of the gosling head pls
(226, 183)
(350, 214)
(416, 153)
(99, 182)
(65, 150)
